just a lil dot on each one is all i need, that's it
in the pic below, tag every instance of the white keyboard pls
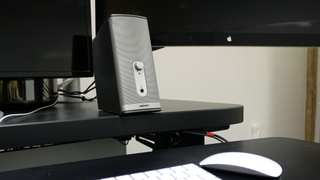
(182, 172)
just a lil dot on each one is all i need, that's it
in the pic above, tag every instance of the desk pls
(300, 160)
(93, 129)
(84, 121)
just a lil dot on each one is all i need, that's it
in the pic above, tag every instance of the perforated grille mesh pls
(131, 42)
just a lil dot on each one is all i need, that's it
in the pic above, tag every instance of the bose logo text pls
(144, 105)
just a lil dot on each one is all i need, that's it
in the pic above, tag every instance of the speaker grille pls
(131, 42)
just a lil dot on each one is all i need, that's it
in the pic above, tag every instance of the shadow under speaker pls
(123, 64)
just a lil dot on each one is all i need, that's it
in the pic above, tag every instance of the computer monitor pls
(42, 39)
(223, 22)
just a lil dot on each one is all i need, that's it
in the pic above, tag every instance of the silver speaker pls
(123, 64)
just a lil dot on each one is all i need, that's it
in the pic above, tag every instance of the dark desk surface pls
(84, 121)
(300, 160)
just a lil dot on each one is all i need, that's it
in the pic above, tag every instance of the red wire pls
(209, 134)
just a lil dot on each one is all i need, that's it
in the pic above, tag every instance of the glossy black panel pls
(223, 22)
(45, 38)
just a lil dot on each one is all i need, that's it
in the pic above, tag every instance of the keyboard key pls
(195, 172)
(139, 176)
(180, 175)
(152, 178)
(178, 169)
(209, 176)
(153, 173)
(166, 177)
(166, 171)
(191, 166)
(194, 178)
(124, 177)
(112, 178)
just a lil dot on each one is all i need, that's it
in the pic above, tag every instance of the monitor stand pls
(27, 94)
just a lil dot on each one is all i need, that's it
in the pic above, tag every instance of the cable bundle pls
(209, 134)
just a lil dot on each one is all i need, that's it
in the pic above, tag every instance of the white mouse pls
(241, 162)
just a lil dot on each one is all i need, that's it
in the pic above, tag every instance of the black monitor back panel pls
(45, 39)
(223, 22)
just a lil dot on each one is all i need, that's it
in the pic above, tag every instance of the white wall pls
(269, 82)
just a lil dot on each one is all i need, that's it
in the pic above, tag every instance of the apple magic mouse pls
(242, 162)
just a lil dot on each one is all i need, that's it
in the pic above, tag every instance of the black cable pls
(79, 92)
(219, 137)
(75, 93)
(47, 90)
(124, 142)
(83, 98)
(219, 140)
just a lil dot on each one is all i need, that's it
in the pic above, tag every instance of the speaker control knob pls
(138, 65)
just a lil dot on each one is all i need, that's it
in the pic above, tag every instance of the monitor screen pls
(223, 22)
(45, 38)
